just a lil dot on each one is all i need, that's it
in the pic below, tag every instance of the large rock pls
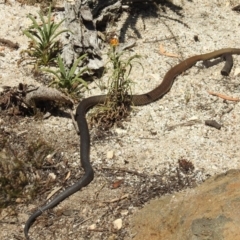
(210, 211)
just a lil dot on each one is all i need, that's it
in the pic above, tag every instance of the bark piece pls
(82, 37)
(43, 93)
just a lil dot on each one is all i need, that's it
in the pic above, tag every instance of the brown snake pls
(137, 100)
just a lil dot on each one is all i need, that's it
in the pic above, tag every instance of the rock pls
(124, 212)
(237, 71)
(209, 211)
(110, 154)
(117, 224)
(120, 131)
(92, 227)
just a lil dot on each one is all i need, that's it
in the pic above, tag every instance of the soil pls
(148, 156)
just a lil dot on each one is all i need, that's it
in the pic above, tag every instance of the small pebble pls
(110, 154)
(117, 224)
(92, 227)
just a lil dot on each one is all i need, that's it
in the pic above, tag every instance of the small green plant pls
(43, 47)
(120, 81)
(119, 96)
(67, 78)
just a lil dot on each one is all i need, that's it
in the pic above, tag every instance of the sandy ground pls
(157, 135)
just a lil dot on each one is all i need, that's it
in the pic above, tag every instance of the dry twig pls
(225, 97)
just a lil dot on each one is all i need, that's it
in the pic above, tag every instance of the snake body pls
(137, 100)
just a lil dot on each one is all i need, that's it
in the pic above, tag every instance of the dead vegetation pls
(114, 194)
(28, 100)
(21, 160)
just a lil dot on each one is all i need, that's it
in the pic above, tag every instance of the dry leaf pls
(53, 192)
(163, 52)
(68, 175)
(117, 184)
